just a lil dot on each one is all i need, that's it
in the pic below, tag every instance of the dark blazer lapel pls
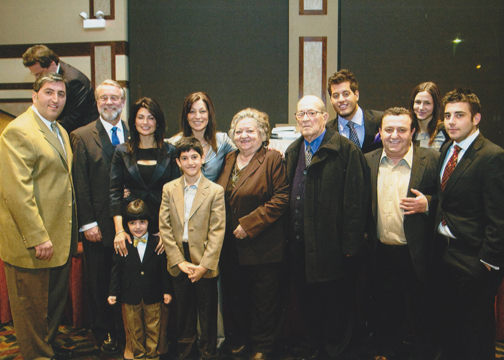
(469, 156)
(369, 129)
(375, 165)
(102, 140)
(150, 249)
(133, 251)
(178, 198)
(131, 165)
(200, 196)
(292, 157)
(417, 171)
(161, 165)
(251, 168)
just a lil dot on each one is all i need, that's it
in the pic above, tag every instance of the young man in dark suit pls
(93, 147)
(470, 223)
(80, 108)
(403, 180)
(360, 126)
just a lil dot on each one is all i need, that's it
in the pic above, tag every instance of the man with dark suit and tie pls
(403, 180)
(80, 108)
(93, 147)
(470, 223)
(38, 227)
(360, 126)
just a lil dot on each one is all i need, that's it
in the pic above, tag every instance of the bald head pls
(311, 117)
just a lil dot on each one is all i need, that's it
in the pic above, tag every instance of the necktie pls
(54, 129)
(115, 138)
(308, 155)
(450, 166)
(137, 240)
(353, 134)
(452, 163)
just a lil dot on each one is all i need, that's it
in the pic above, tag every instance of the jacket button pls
(141, 273)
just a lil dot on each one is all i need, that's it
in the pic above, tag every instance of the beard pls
(110, 114)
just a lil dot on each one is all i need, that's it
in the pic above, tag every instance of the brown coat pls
(257, 203)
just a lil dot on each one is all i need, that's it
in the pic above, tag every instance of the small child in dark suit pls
(142, 282)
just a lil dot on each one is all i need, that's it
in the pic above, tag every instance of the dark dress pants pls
(251, 300)
(37, 298)
(467, 294)
(327, 307)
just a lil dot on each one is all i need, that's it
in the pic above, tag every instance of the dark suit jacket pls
(336, 200)
(418, 228)
(372, 120)
(134, 281)
(473, 200)
(80, 108)
(93, 152)
(124, 173)
(257, 203)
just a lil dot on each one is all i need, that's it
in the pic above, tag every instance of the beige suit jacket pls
(36, 193)
(207, 224)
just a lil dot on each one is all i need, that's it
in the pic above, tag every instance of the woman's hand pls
(239, 233)
(159, 247)
(126, 193)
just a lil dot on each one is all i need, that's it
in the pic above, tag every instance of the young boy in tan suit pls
(192, 224)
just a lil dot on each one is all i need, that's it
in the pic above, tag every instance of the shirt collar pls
(196, 184)
(45, 121)
(464, 144)
(315, 144)
(408, 157)
(108, 126)
(358, 119)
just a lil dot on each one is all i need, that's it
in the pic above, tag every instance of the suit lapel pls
(369, 129)
(102, 140)
(178, 199)
(51, 139)
(161, 165)
(201, 194)
(375, 165)
(150, 249)
(250, 169)
(131, 165)
(417, 170)
(469, 156)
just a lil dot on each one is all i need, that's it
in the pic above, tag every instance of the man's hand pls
(93, 234)
(414, 205)
(120, 243)
(198, 272)
(112, 300)
(159, 247)
(183, 266)
(239, 233)
(44, 251)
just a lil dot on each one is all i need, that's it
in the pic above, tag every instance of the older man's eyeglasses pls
(113, 98)
(311, 114)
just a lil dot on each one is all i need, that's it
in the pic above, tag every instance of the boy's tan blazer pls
(207, 224)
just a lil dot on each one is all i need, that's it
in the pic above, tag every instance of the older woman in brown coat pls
(257, 195)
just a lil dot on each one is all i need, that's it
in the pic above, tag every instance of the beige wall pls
(56, 21)
(59, 22)
(311, 25)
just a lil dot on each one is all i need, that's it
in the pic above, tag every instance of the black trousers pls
(467, 296)
(97, 269)
(193, 300)
(251, 299)
(327, 307)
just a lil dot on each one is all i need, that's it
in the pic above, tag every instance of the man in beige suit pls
(192, 224)
(38, 231)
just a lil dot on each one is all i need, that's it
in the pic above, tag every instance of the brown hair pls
(211, 128)
(39, 54)
(433, 90)
(153, 107)
(341, 76)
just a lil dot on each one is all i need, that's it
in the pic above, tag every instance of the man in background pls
(80, 108)
(360, 126)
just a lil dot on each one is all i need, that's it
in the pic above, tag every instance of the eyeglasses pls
(113, 98)
(311, 114)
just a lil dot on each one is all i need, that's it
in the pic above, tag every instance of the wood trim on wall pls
(64, 49)
(322, 11)
(16, 86)
(302, 40)
(111, 16)
(28, 100)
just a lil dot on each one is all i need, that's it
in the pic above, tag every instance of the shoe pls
(238, 349)
(62, 353)
(311, 354)
(258, 356)
(109, 345)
